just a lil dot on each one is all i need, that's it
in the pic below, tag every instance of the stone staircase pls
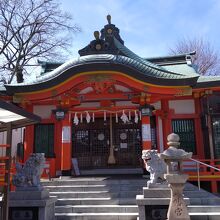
(96, 198)
(114, 198)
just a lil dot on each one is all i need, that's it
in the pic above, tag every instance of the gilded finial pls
(109, 19)
(96, 35)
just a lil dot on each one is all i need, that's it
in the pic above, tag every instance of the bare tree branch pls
(31, 29)
(206, 59)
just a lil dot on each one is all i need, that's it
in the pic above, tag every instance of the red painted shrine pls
(104, 107)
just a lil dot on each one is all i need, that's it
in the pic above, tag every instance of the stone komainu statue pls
(29, 174)
(154, 165)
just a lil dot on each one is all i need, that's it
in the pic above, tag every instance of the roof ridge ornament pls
(96, 35)
(109, 18)
(104, 41)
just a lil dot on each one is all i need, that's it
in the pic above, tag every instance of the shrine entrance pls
(91, 144)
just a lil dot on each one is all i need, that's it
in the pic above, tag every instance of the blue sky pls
(148, 27)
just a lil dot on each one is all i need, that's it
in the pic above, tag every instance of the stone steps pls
(97, 194)
(204, 208)
(97, 201)
(94, 181)
(105, 198)
(84, 188)
(97, 208)
(96, 197)
(97, 216)
(204, 216)
(204, 212)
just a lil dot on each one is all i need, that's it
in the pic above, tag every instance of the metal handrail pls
(198, 173)
(197, 161)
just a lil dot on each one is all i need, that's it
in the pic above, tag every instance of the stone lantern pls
(173, 157)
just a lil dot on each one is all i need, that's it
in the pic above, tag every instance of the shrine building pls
(108, 104)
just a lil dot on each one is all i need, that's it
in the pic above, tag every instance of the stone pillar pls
(177, 207)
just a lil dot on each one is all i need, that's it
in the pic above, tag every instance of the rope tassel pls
(135, 117)
(88, 117)
(124, 117)
(76, 119)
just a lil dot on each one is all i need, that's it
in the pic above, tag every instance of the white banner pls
(146, 132)
(66, 137)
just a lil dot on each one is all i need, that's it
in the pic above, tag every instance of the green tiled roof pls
(172, 72)
(125, 51)
(208, 82)
(132, 67)
(147, 69)
(202, 79)
(182, 68)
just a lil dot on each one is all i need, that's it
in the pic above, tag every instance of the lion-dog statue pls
(155, 166)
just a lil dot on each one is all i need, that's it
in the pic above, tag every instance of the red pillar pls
(214, 186)
(146, 133)
(57, 145)
(166, 121)
(66, 153)
(28, 141)
(198, 130)
(28, 137)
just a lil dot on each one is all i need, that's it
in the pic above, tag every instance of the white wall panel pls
(125, 103)
(44, 111)
(182, 106)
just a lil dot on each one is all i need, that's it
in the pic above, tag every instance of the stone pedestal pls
(154, 202)
(177, 208)
(32, 204)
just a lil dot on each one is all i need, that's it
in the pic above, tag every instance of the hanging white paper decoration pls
(129, 115)
(88, 117)
(135, 117)
(93, 117)
(116, 117)
(81, 118)
(104, 115)
(124, 117)
(76, 120)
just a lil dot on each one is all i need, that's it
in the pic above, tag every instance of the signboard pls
(146, 133)
(66, 137)
(123, 145)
